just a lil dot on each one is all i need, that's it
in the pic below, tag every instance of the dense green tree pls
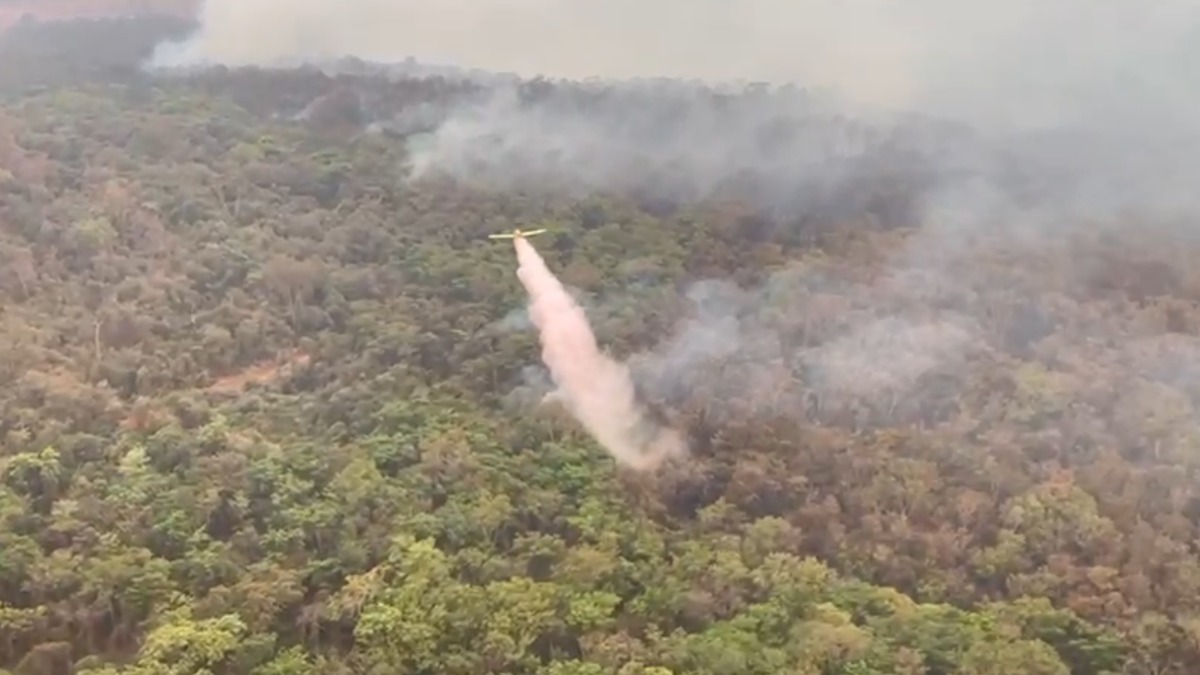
(269, 409)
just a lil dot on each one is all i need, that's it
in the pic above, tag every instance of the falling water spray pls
(597, 390)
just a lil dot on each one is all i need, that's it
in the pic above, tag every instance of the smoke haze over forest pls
(926, 323)
(1038, 118)
(1115, 83)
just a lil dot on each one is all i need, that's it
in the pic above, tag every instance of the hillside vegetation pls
(267, 408)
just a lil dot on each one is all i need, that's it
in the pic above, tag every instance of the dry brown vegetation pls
(262, 413)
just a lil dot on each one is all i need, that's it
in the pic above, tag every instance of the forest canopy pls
(271, 403)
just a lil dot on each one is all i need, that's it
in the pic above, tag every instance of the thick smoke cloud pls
(784, 150)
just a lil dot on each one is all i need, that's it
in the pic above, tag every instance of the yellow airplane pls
(515, 234)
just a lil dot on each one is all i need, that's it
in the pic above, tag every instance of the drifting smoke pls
(1099, 114)
(597, 390)
(1029, 119)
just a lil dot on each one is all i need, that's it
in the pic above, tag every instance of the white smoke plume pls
(596, 389)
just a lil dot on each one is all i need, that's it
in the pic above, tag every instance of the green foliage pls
(266, 411)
